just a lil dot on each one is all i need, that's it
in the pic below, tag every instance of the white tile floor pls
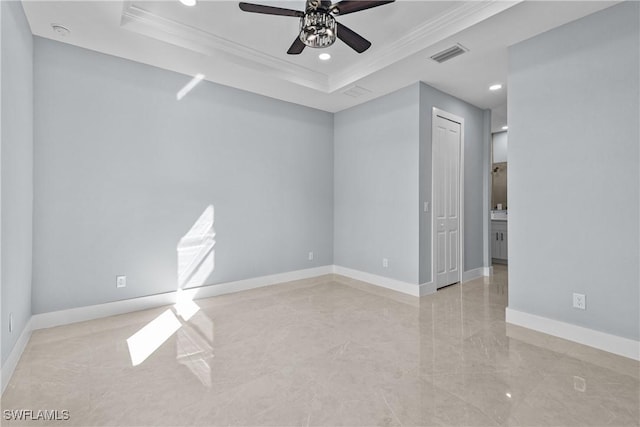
(324, 353)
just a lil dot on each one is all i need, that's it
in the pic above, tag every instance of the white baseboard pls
(97, 311)
(476, 273)
(603, 341)
(385, 282)
(427, 289)
(592, 338)
(14, 357)
(80, 314)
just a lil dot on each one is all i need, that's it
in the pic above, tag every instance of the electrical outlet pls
(385, 263)
(10, 322)
(310, 256)
(580, 301)
(121, 281)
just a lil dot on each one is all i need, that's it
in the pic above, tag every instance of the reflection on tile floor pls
(324, 352)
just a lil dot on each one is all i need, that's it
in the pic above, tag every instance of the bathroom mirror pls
(499, 171)
(499, 185)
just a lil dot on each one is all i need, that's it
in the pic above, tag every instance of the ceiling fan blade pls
(270, 10)
(350, 6)
(297, 47)
(354, 40)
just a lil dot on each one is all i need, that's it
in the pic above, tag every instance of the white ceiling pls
(248, 51)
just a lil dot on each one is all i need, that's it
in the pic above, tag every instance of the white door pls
(446, 200)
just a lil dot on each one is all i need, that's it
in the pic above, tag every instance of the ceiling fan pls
(318, 27)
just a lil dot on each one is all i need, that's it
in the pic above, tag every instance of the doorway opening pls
(499, 236)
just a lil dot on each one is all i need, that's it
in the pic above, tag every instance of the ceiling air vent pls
(449, 53)
(356, 91)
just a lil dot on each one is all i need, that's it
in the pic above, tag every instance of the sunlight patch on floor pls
(147, 340)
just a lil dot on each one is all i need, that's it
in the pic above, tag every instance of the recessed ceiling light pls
(495, 87)
(188, 2)
(324, 56)
(505, 127)
(60, 30)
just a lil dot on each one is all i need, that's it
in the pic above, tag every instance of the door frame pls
(436, 112)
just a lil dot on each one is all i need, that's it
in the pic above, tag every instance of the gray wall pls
(486, 185)
(573, 172)
(376, 185)
(383, 176)
(476, 125)
(123, 170)
(500, 140)
(16, 171)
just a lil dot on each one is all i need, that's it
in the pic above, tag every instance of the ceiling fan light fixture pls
(324, 57)
(318, 29)
(188, 2)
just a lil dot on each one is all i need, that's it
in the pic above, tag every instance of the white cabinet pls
(499, 241)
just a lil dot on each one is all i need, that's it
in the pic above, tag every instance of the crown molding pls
(428, 33)
(424, 35)
(143, 22)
